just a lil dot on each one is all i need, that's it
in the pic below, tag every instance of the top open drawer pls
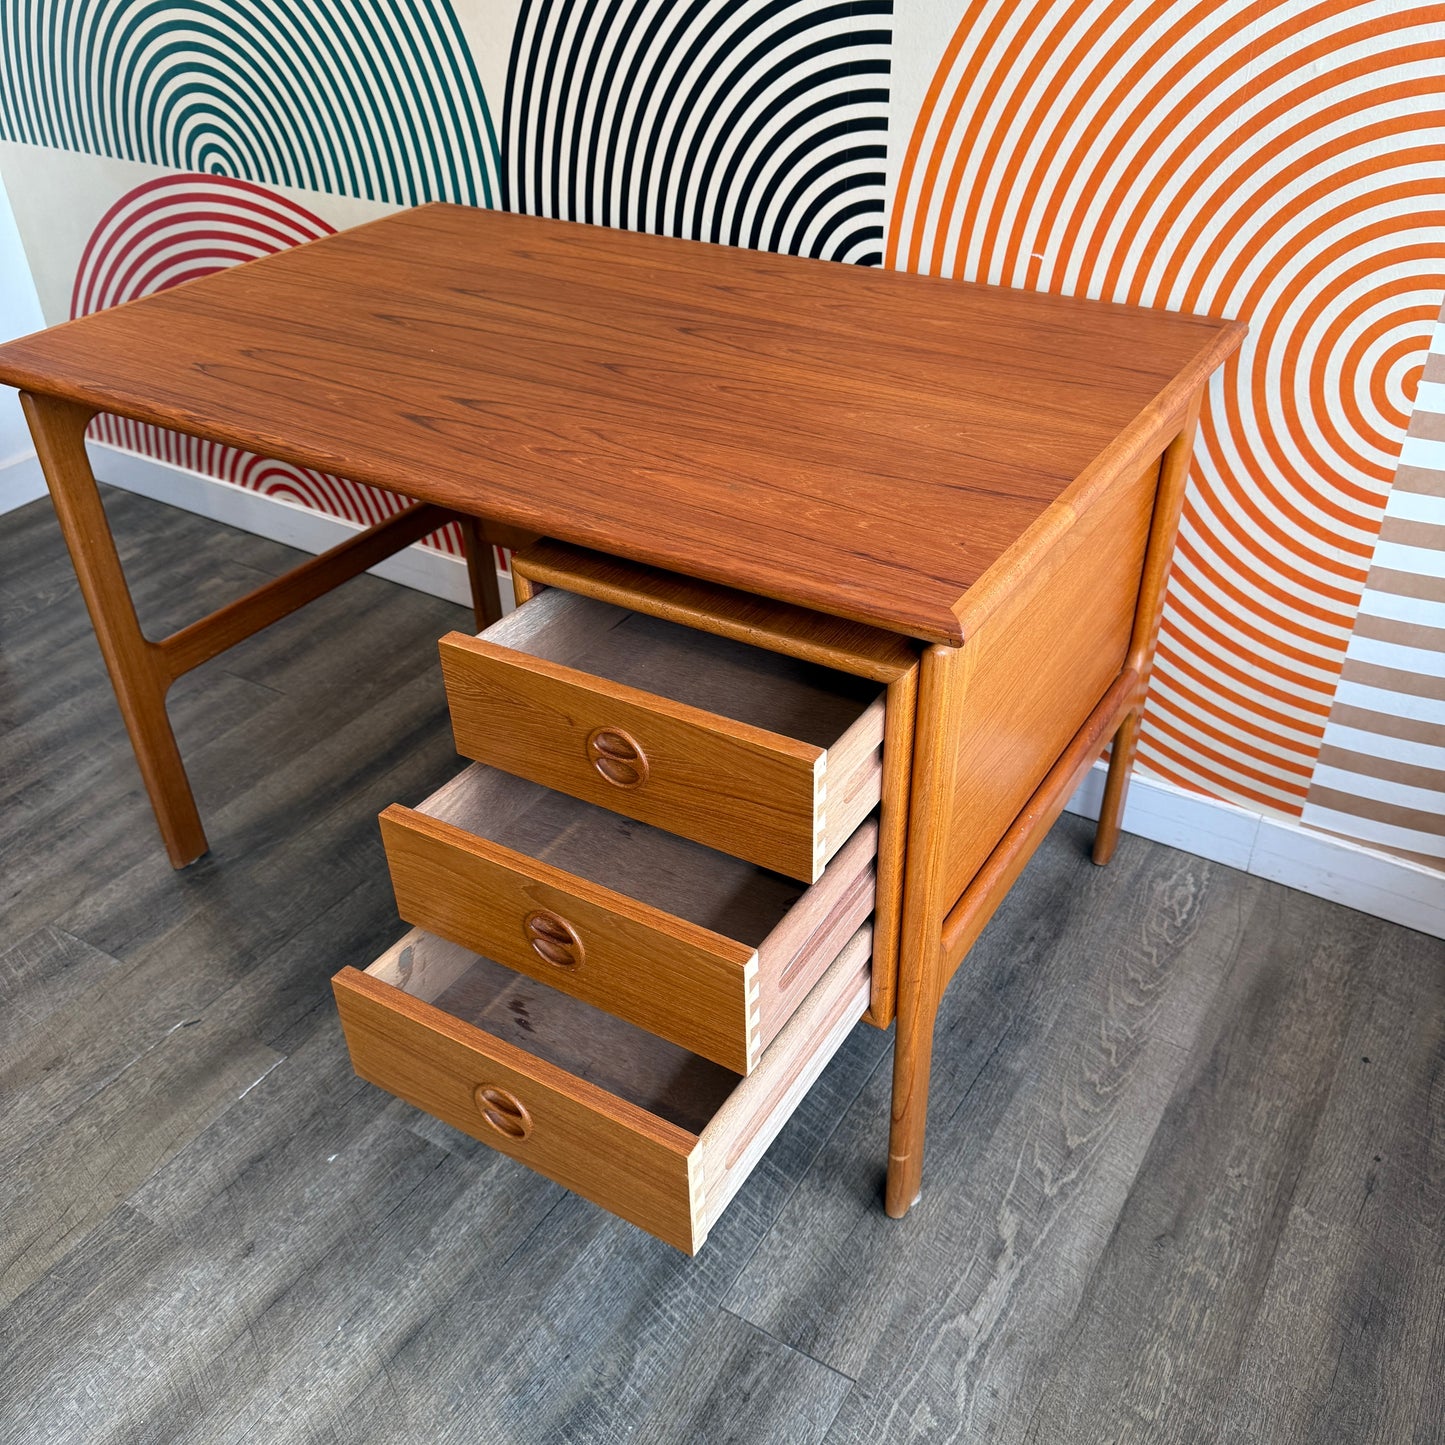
(758, 755)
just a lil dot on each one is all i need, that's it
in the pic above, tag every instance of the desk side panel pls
(1041, 663)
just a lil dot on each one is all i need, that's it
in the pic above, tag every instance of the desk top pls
(865, 443)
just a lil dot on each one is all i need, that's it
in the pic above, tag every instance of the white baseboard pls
(21, 481)
(416, 567)
(1349, 873)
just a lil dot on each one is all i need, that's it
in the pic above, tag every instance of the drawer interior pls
(783, 695)
(697, 946)
(589, 1044)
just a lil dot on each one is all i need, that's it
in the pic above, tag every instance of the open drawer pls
(759, 755)
(645, 1129)
(703, 949)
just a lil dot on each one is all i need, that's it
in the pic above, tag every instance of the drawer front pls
(732, 786)
(679, 981)
(709, 993)
(587, 1140)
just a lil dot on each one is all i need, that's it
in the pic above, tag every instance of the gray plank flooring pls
(1186, 1171)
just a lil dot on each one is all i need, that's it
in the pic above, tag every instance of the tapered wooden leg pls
(1116, 788)
(478, 538)
(912, 1066)
(1168, 503)
(920, 971)
(482, 573)
(137, 669)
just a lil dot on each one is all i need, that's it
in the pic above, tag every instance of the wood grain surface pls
(622, 1151)
(898, 739)
(1038, 666)
(138, 668)
(684, 983)
(706, 669)
(970, 915)
(831, 641)
(863, 442)
(943, 686)
(1174, 469)
(594, 1143)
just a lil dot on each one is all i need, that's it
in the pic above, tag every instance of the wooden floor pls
(1186, 1163)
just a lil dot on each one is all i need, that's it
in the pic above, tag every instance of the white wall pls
(20, 479)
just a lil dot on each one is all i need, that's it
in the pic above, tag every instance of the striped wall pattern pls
(756, 123)
(1279, 162)
(371, 98)
(1380, 775)
(178, 228)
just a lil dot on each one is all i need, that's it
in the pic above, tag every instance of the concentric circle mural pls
(1275, 162)
(757, 123)
(371, 98)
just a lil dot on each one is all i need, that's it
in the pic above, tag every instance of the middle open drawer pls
(697, 947)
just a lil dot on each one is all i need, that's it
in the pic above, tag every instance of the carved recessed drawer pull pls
(503, 1111)
(553, 939)
(618, 757)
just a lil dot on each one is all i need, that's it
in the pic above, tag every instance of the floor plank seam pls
(558, 1200)
(1005, 1034)
(446, 1155)
(254, 682)
(318, 819)
(58, 1121)
(783, 1344)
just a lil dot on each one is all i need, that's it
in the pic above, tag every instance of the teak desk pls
(962, 497)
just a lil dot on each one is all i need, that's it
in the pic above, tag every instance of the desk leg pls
(481, 572)
(920, 960)
(141, 670)
(1168, 503)
(1116, 786)
(478, 539)
(136, 667)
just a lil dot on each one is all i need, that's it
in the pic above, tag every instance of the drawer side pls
(815, 930)
(754, 1114)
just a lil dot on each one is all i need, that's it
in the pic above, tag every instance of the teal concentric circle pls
(377, 99)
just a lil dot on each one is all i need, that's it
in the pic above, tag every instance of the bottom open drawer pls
(661, 1137)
